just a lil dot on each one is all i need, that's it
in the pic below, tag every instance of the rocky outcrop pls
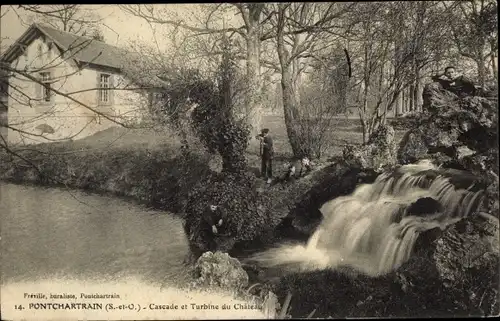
(467, 245)
(220, 270)
(379, 152)
(258, 218)
(424, 206)
(448, 124)
(240, 204)
(336, 180)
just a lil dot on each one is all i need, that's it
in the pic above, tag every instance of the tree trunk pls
(415, 96)
(494, 66)
(411, 97)
(366, 129)
(291, 113)
(419, 90)
(481, 67)
(290, 107)
(398, 111)
(253, 104)
(405, 100)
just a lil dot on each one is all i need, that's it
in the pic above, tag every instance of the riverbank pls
(146, 166)
(154, 173)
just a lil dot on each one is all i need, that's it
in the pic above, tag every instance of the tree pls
(251, 31)
(323, 95)
(474, 25)
(394, 45)
(302, 31)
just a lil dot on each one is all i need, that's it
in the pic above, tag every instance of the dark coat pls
(211, 218)
(459, 86)
(268, 148)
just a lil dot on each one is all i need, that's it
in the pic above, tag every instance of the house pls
(62, 86)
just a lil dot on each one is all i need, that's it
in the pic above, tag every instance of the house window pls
(40, 50)
(49, 49)
(104, 85)
(46, 91)
(150, 100)
(25, 53)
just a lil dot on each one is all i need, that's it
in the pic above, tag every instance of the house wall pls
(70, 117)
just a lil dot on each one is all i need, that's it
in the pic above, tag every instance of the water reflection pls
(53, 232)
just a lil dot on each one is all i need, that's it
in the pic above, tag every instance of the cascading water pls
(371, 229)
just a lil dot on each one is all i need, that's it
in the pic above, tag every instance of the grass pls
(146, 164)
(342, 131)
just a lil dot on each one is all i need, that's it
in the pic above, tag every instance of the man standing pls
(267, 153)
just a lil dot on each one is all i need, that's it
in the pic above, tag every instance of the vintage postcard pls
(249, 160)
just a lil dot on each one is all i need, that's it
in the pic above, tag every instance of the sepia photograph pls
(253, 160)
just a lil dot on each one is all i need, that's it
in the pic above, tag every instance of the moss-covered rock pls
(378, 153)
(220, 270)
(449, 123)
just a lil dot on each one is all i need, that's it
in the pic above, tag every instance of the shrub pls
(237, 198)
(212, 119)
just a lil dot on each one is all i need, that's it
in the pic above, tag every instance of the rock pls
(270, 305)
(464, 151)
(462, 247)
(379, 152)
(412, 147)
(220, 270)
(423, 206)
(450, 124)
(426, 239)
(336, 180)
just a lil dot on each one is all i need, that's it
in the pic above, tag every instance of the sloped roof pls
(85, 50)
(88, 50)
(82, 49)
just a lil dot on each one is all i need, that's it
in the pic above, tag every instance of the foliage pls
(237, 198)
(393, 47)
(206, 107)
(216, 124)
(160, 177)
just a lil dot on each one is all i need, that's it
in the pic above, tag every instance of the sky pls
(118, 27)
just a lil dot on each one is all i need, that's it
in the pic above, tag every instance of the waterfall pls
(371, 230)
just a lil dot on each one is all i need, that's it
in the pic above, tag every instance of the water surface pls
(48, 232)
